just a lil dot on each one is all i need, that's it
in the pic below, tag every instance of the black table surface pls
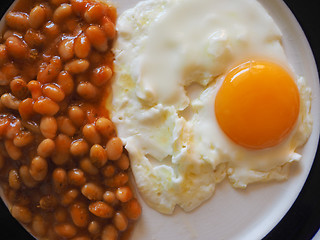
(303, 219)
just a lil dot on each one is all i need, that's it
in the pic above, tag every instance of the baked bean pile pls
(63, 171)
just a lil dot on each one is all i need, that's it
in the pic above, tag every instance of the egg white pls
(171, 56)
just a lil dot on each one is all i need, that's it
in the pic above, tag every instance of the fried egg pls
(203, 91)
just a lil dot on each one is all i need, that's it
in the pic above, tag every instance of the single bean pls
(76, 177)
(45, 106)
(22, 214)
(51, 71)
(82, 46)
(14, 179)
(76, 115)
(53, 92)
(23, 139)
(109, 233)
(87, 91)
(65, 126)
(79, 214)
(92, 191)
(10, 101)
(48, 202)
(26, 109)
(123, 163)
(108, 171)
(69, 197)
(4, 125)
(77, 66)
(35, 89)
(63, 12)
(17, 20)
(66, 83)
(34, 38)
(38, 168)
(94, 13)
(109, 197)
(87, 166)
(51, 30)
(65, 230)
(19, 88)
(91, 134)
(66, 49)
(13, 129)
(13, 151)
(118, 180)
(101, 75)
(62, 155)
(79, 147)
(132, 209)
(120, 221)
(98, 156)
(101, 209)
(16, 48)
(46, 148)
(114, 148)
(37, 17)
(39, 226)
(59, 180)
(48, 127)
(108, 27)
(79, 6)
(97, 37)
(94, 228)
(26, 178)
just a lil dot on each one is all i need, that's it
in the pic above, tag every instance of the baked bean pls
(82, 46)
(13, 129)
(94, 227)
(35, 89)
(60, 215)
(132, 209)
(114, 148)
(18, 20)
(69, 197)
(92, 191)
(2, 162)
(65, 126)
(79, 147)
(59, 179)
(123, 163)
(26, 178)
(53, 92)
(61, 156)
(34, 38)
(76, 177)
(4, 124)
(96, 57)
(98, 156)
(109, 197)
(112, 13)
(38, 168)
(62, 13)
(120, 221)
(51, 71)
(101, 209)
(108, 171)
(51, 29)
(90, 134)
(45, 106)
(97, 37)
(109, 233)
(87, 91)
(8, 72)
(118, 180)
(19, 88)
(46, 148)
(94, 13)
(23, 139)
(39, 226)
(14, 179)
(10, 101)
(3, 54)
(77, 66)
(66, 49)
(13, 151)
(76, 115)
(87, 166)
(65, 81)
(16, 48)
(79, 214)
(79, 6)
(124, 194)
(108, 27)
(22, 214)
(48, 127)
(101, 75)
(48, 203)
(65, 230)
(37, 17)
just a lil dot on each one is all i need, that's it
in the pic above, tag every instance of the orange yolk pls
(257, 105)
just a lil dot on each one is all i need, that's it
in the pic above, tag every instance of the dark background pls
(303, 219)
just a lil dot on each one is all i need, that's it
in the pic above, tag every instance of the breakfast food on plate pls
(203, 90)
(63, 170)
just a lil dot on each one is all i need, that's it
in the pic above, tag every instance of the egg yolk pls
(257, 105)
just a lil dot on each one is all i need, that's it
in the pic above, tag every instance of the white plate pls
(251, 213)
